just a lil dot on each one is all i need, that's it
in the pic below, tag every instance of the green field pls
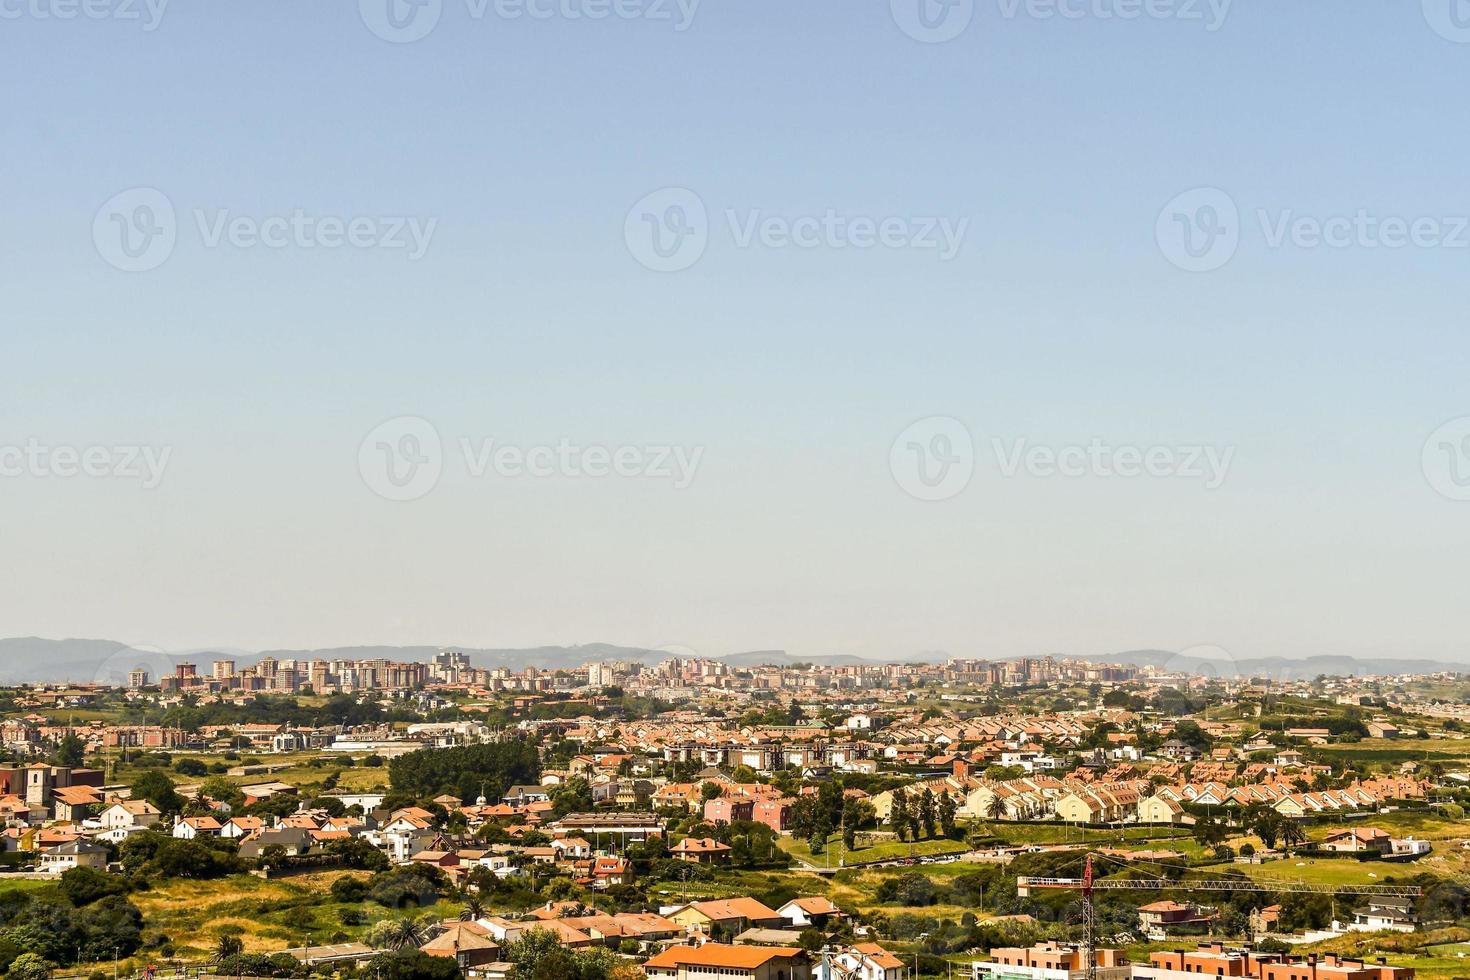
(267, 916)
(1318, 871)
(1156, 838)
(298, 771)
(869, 848)
(1393, 750)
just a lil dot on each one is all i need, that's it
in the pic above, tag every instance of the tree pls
(412, 964)
(1209, 832)
(947, 810)
(1292, 834)
(927, 812)
(463, 770)
(995, 807)
(28, 966)
(1268, 828)
(191, 859)
(399, 934)
(852, 818)
(71, 751)
(474, 907)
(83, 886)
(915, 889)
(223, 791)
(227, 947)
(535, 951)
(898, 814)
(158, 789)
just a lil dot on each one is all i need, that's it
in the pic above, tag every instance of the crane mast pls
(1088, 883)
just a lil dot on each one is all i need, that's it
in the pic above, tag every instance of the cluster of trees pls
(916, 815)
(1271, 827)
(465, 771)
(403, 964)
(815, 816)
(153, 854)
(540, 955)
(90, 920)
(404, 887)
(752, 845)
(341, 709)
(988, 887)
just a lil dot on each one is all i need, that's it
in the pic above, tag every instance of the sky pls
(996, 328)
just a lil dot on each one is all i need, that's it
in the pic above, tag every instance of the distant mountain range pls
(108, 661)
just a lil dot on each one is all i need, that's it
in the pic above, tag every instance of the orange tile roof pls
(735, 908)
(716, 954)
(879, 955)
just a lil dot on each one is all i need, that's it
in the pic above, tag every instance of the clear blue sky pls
(530, 321)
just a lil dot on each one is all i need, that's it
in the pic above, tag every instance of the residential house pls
(190, 828)
(1159, 918)
(701, 850)
(1380, 914)
(1160, 809)
(75, 854)
(867, 961)
(729, 916)
(1356, 840)
(294, 841)
(729, 962)
(238, 827)
(810, 911)
(468, 943)
(129, 813)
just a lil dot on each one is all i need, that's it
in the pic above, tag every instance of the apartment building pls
(1049, 961)
(1217, 960)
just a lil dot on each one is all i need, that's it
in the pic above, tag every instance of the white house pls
(1391, 914)
(129, 813)
(238, 827)
(75, 854)
(867, 961)
(365, 800)
(191, 828)
(116, 835)
(811, 910)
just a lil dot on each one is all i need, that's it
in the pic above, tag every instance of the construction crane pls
(1088, 884)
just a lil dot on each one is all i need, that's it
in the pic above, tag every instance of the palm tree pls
(226, 948)
(474, 907)
(399, 934)
(995, 808)
(1292, 834)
